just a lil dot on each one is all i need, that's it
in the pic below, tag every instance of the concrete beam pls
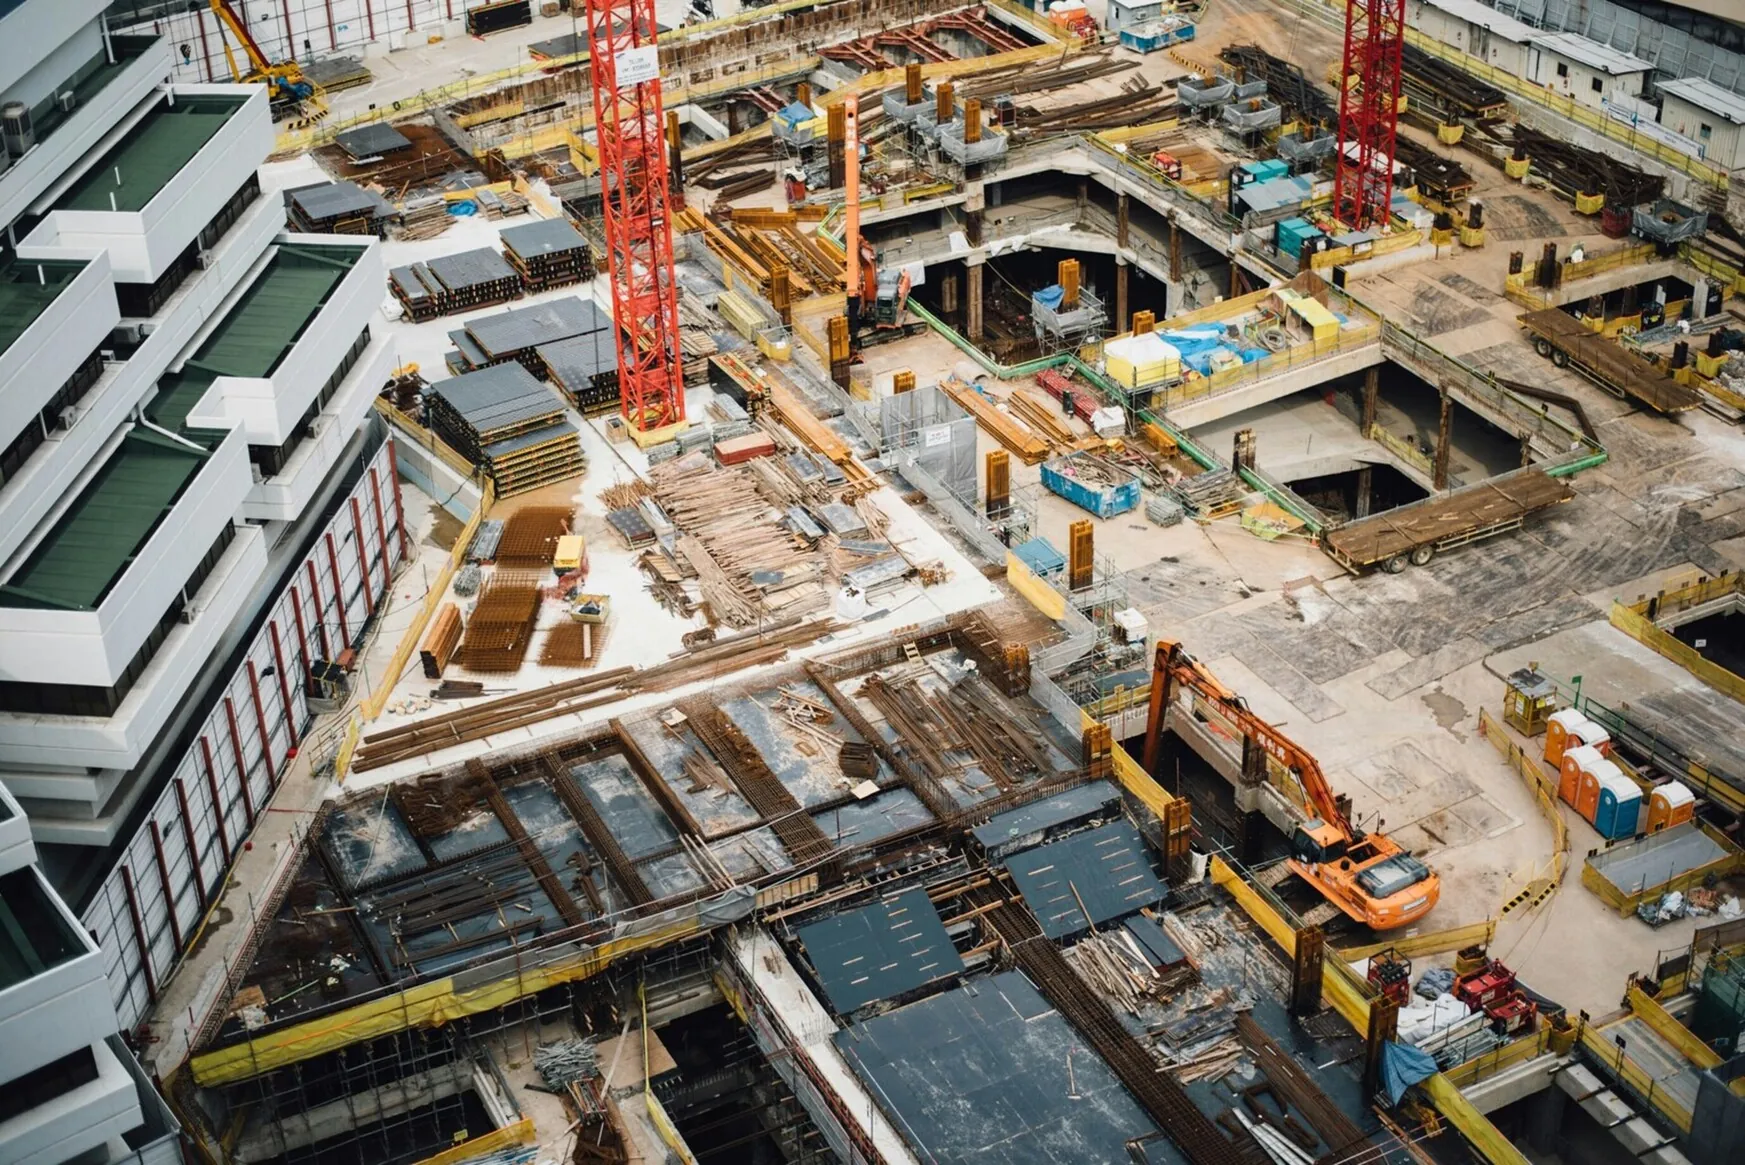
(1305, 376)
(1516, 1082)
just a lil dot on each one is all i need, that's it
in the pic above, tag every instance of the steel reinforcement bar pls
(1177, 1115)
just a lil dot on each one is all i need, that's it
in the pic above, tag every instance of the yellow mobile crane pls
(291, 93)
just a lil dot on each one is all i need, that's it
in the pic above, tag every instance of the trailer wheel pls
(1542, 346)
(1395, 565)
(1559, 357)
(1421, 555)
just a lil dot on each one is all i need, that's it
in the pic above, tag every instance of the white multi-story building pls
(196, 504)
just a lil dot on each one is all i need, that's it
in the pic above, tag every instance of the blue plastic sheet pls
(795, 113)
(1403, 1066)
(1050, 296)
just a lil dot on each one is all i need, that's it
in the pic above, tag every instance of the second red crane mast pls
(630, 127)
(1369, 112)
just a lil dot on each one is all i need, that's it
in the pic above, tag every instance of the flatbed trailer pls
(1558, 336)
(1415, 533)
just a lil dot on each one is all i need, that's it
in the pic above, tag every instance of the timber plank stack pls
(337, 208)
(509, 424)
(454, 283)
(549, 253)
(517, 334)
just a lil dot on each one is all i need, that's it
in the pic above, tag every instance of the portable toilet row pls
(1670, 804)
(1599, 791)
(1569, 727)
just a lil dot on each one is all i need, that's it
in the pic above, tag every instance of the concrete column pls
(948, 293)
(1121, 215)
(1371, 390)
(1084, 195)
(1121, 320)
(1444, 438)
(1253, 837)
(972, 227)
(1544, 1118)
(1363, 491)
(973, 303)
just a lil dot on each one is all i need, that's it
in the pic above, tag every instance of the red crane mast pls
(630, 128)
(1369, 112)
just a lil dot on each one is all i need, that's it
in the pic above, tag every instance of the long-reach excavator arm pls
(285, 82)
(1368, 876)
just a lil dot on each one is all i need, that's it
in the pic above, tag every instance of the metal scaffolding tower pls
(631, 127)
(1369, 111)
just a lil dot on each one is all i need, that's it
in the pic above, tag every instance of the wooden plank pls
(1022, 442)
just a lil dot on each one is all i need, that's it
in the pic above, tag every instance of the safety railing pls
(1240, 376)
(1648, 633)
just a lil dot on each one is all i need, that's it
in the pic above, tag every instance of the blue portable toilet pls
(1619, 806)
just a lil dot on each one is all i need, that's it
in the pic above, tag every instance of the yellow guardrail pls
(1550, 878)
(1626, 900)
(507, 1137)
(1646, 632)
(1437, 942)
(1238, 375)
(1701, 1056)
(1617, 1061)
(1517, 287)
(1339, 256)
(1507, 1056)
(378, 698)
(1696, 593)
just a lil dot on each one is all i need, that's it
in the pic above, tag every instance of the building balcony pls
(104, 92)
(53, 315)
(29, 493)
(33, 29)
(16, 848)
(54, 999)
(162, 179)
(265, 361)
(105, 1105)
(286, 492)
(78, 605)
(57, 753)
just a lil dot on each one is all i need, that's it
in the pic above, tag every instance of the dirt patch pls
(445, 529)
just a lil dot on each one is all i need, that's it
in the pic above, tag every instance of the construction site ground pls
(1382, 677)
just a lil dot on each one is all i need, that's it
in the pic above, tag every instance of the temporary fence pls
(1548, 878)
(1648, 633)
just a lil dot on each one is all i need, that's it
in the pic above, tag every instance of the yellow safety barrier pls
(1339, 256)
(384, 689)
(1696, 593)
(1646, 632)
(507, 1137)
(1507, 1056)
(1438, 942)
(1238, 375)
(1701, 1056)
(1626, 901)
(1549, 878)
(1617, 1061)
(429, 1004)
(1032, 586)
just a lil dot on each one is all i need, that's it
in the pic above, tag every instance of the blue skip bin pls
(1092, 483)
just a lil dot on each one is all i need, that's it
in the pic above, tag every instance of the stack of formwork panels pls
(337, 208)
(509, 424)
(549, 253)
(460, 282)
(518, 333)
(585, 370)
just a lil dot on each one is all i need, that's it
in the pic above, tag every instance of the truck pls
(1417, 532)
(1567, 343)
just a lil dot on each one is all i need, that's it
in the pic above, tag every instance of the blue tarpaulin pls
(796, 113)
(1049, 297)
(1403, 1066)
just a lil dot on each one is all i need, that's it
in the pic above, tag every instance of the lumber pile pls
(424, 218)
(1007, 430)
(731, 541)
(706, 663)
(440, 641)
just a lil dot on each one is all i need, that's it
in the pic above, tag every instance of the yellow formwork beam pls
(1436, 942)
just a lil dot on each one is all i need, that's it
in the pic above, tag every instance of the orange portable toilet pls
(1558, 727)
(1587, 791)
(1670, 804)
(1576, 759)
(1588, 732)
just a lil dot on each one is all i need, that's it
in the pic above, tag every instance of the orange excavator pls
(1366, 876)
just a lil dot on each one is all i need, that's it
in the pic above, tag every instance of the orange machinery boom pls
(1368, 876)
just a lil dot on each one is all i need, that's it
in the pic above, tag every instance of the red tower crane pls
(630, 127)
(1369, 112)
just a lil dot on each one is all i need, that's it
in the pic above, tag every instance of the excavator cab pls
(1319, 843)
